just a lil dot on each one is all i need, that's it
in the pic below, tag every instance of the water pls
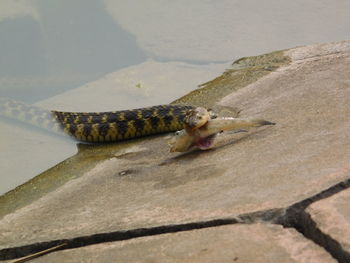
(126, 54)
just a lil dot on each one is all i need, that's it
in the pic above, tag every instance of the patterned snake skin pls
(100, 126)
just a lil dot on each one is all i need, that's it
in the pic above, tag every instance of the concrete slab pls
(332, 217)
(235, 243)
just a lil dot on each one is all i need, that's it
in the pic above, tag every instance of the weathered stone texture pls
(236, 243)
(332, 217)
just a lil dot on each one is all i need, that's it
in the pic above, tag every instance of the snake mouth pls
(205, 143)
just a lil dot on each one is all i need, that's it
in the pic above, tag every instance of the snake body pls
(100, 126)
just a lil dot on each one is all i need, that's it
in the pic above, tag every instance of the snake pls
(100, 127)
(196, 127)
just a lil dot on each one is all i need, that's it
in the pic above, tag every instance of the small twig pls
(38, 254)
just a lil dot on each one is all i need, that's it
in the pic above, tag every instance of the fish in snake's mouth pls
(205, 143)
(201, 129)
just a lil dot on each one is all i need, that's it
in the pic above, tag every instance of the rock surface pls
(332, 218)
(247, 178)
(237, 243)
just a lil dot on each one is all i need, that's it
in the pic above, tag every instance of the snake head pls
(195, 119)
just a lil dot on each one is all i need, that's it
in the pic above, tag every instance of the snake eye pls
(177, 133)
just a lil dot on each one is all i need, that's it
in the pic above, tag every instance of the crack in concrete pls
(309, 229)
(296, 217)
(249, 218)
(292, 217)
(16, 252)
